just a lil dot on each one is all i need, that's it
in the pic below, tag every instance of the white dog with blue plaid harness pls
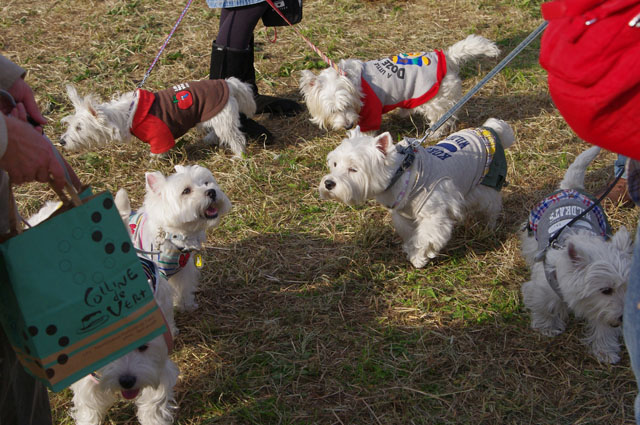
(427, 189)
(576, 264)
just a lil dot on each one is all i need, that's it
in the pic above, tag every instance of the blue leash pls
(520, 47)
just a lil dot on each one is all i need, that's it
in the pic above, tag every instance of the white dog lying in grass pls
(426, 83)
(214, 107)
(428, 189)
(583, 271)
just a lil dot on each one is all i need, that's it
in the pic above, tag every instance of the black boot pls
(255, 130)
(228, 62)
(269, 104)
(223, 66)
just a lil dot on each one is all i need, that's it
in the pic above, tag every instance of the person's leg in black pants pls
(232, 55)
(23, 399)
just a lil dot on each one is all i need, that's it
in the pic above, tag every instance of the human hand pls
(29, 155)
(22, 93)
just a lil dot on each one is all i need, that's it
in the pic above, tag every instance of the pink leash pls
(184, 11)
(311, 45)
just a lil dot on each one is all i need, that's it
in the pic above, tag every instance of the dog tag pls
(198, 261)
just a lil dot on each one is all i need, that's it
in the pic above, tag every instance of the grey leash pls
(489, 76)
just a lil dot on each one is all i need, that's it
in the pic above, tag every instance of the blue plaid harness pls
(169, 259)
(549, 223)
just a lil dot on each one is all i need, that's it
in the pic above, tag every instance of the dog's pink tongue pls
(130, 394)
(211, 211)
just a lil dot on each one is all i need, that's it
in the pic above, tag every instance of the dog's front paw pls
(606, 356)
(155, 157)
(547, 327)
(186, 306)
(418, 261)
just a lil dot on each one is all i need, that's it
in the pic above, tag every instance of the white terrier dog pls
(212, 106)
(426, 83)
(581, 271)
(145, 374)
(171, 224)
(426, 189)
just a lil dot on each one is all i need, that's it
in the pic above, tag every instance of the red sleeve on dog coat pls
(148, 128)
(410, 80)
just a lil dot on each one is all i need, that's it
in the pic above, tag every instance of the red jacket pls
(591, 51)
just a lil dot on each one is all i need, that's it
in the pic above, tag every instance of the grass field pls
(309, 311)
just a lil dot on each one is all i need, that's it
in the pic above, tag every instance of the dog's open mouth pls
(211, 212)
(130, 394)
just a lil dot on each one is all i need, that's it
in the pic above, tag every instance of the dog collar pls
(403, 192)
(409, 153)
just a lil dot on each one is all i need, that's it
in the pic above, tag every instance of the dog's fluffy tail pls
(503, 130)
(574, 176)
(472, 47)
(123, 205)
(243, 93)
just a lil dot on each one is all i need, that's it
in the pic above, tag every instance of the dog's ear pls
(384, 142)
(354, 132)
(308, 79)
(622, 240)
(75, 99)
(154, 181)
(88, 104)
(578, 257)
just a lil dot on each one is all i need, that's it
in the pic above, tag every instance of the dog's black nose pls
(63, 142)
(127, 381)
(329, 184)
(348, 126)
(211, 193)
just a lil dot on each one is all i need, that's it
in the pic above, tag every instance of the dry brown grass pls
(309, 311)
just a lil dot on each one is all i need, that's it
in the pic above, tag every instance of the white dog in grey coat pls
(428, 189)
(426, 83)
(585, 271)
